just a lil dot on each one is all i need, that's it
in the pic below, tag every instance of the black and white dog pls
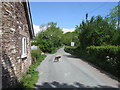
(57, 58)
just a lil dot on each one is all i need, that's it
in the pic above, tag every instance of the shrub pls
(69, 49)
(31, 76)
(107, 57)
(36, 53)
(72, 50)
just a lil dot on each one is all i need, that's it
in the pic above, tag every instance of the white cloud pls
(68, 30)
(36, 28)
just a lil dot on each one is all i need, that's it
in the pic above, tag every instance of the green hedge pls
(71, 50)
(107, 57)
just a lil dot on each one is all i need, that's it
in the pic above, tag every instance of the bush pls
(31, 76)
(36, 53)
(72, 50)
(107, 57)
(69, 49)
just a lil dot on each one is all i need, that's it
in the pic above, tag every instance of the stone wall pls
(14, 27)
(0, 46)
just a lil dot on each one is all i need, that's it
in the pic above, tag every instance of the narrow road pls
(71, 72)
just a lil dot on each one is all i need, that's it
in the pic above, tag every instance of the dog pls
(57, 58)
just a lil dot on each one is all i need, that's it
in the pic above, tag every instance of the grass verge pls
(31, 76)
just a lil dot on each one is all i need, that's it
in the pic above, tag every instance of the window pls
(23, 53)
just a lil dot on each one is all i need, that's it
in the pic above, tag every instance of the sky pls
(67, 14)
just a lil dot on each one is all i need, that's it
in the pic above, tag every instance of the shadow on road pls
(71, 56)
(54, 84)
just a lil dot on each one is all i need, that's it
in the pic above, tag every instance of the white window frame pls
(23, 50)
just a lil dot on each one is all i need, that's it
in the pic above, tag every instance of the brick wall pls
(14, 27)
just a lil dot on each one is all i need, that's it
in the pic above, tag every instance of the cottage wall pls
(14, 27)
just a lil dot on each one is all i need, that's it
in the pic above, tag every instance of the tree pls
(114, 19)
(114, 16)
(96, 31)
(50, 39)
(70, 37)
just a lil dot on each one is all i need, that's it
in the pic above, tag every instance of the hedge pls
(71, 50)
(107, 57)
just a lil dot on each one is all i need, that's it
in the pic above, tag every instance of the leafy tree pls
(96, 31)
(114, 16)
(50, 39)
(114, 19)
(70, 37)
(67, 38)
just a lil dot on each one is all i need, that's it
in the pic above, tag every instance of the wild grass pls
(31, 76)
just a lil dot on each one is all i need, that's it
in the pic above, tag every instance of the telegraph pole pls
(119, 15)
(86, 17)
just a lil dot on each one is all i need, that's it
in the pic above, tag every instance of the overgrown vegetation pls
(35, 54)
(31, 76)
(95, 40)
(71, 50)
(99, 41)
(70, 37)
(107, 57)
(50, 39)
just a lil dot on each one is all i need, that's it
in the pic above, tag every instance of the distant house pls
(16, 33)
(33, 47)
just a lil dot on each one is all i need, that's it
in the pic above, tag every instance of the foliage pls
(116, 37)
(49, 39)
(95, 32)
(113, 16)
(36, 53)
(52, 38)
(99, 31)
(67, 38)
(72, 50)
(99, 41)
(70, 37)
(31, 76)
(106, 57)
(69, 48)
(114, 19)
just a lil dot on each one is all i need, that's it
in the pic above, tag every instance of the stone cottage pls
(16, 32)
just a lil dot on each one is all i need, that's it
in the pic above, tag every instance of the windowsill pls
(23, 56)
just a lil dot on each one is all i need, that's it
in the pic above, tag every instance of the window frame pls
(24, 48)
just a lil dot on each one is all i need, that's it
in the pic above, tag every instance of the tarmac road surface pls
(71, 72)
